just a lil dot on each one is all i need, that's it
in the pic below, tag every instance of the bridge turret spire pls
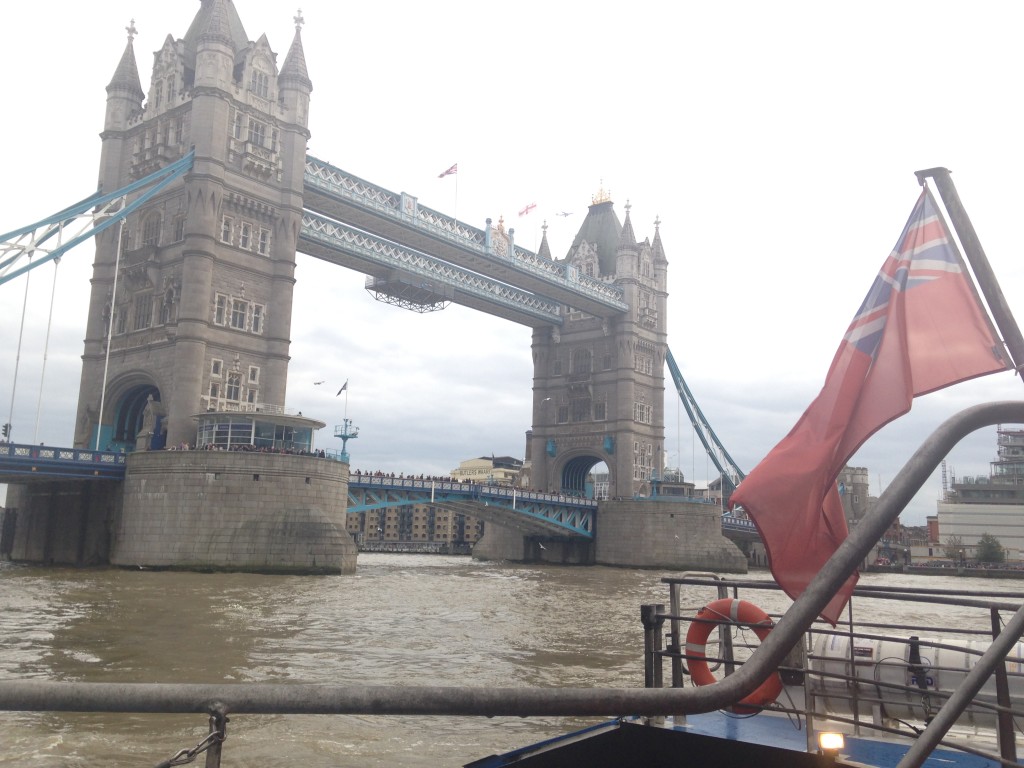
(545, 250)
(627, 239)
(124, 92)
(657, 247)
(293, 71)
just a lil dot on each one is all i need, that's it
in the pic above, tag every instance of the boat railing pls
(866, 677)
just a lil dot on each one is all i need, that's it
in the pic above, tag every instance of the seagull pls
(317, 383)
(541, 545)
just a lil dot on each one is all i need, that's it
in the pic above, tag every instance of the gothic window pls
(581, 361)
(643, 363)
(245, 235)
(557, 368)
(252, 395)
(236, 129)
(226, 225)
(580, 409)
(170, 90)
(143, 312)
(645, 268)
(259, 83)
(234, 387)
(158, 93)
(220, 310)
(215, 390)
(263, 242)
(179, 227)
(216, 367)
(600, 410)
(563, 414)
(257, 132)
(120, 321)
(239, 309)
(257, 318)
(642, 413)
(273, 139)
(254, 374)
(151, 230)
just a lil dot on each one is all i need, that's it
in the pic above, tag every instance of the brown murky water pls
(402, 620)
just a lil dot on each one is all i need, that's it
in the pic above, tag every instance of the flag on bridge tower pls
(920, 328)
(527, 209)
(343, 388)
(450, 172)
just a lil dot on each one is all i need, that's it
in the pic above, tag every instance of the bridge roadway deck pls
(531, 512)
(399, 218)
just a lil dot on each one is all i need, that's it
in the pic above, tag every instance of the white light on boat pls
(830, 741)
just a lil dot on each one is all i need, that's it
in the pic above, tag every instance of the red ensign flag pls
(921, 328)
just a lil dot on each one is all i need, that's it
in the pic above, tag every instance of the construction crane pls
(731, 474)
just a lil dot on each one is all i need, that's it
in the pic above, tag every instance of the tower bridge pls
(191, 298)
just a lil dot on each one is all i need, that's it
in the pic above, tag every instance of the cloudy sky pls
(776, 143)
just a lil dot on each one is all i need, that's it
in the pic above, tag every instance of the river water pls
(401, 620)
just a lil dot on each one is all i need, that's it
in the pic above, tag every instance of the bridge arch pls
(575, 470)
(133, 413)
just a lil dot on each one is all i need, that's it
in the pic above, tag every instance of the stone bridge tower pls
(598, 386)
(197, 313)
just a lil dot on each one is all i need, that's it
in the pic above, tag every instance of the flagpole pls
(986, 278)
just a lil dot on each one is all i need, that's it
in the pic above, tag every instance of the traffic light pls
(7, 430)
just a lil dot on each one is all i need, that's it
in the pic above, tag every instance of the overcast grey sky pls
(776, 142)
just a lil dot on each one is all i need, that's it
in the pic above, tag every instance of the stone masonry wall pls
(658, 533)
(62, 523)
(225, 510)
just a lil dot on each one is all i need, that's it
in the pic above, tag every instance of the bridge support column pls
(500, 543)
(61, 523)
(663, 533)
(234, 511)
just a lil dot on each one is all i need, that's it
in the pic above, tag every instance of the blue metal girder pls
(101, 209)
(332, 241)
(22, 463)
(550, 513)
(399, 216)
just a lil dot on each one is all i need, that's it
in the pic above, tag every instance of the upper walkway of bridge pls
(357, 224)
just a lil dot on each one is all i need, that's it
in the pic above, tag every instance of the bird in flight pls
(317, 383)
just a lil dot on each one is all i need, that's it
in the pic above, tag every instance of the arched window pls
(581, 361)
(151, 229)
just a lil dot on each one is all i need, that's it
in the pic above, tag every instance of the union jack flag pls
(527, 209)
(451, 171)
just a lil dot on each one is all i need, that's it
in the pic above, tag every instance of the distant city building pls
(674, 484)
(490, 470)
(423, 526)
(853, 485)
(992, 504)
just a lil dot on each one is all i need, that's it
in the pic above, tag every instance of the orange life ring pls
(737, 612)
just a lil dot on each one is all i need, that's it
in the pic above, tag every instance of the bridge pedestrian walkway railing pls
(570, 515)
(18, 459)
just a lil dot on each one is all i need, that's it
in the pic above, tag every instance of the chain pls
(217, 735)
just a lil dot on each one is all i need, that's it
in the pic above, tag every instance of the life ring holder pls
(736, 612)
